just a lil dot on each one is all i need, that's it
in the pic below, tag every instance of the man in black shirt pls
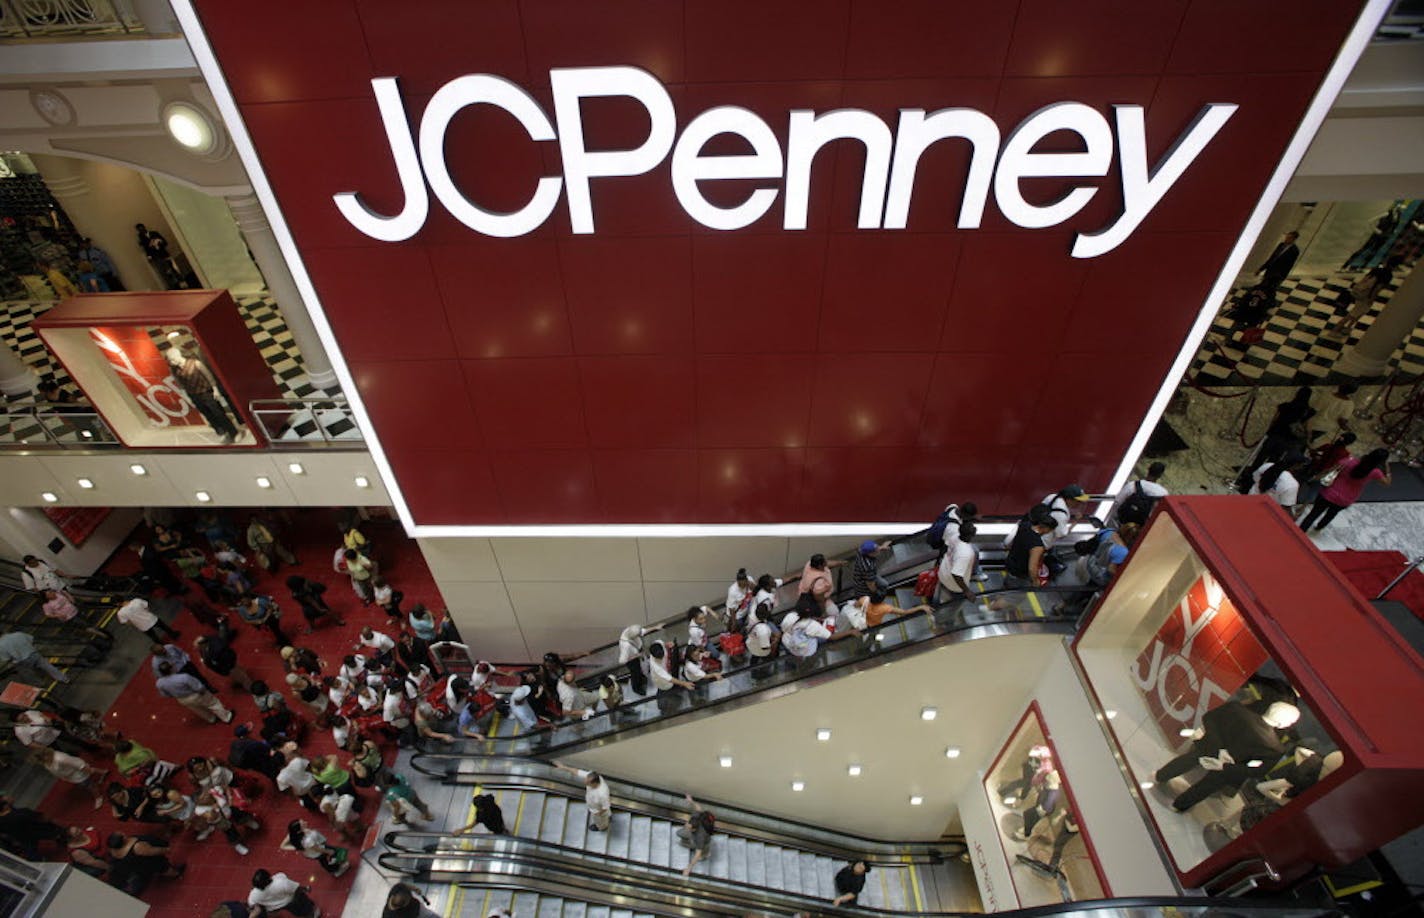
(1275, 268)
(1026, 550)
(254, 754)
(849, 882)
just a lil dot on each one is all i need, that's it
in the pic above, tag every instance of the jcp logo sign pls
(887, 185)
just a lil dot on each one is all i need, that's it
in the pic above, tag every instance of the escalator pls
(757, 861)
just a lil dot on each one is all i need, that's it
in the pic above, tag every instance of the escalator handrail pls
(568, 859)
(867, 635)
(727, 819)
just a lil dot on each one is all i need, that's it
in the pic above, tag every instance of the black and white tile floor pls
(269, 332)
(1295, 349)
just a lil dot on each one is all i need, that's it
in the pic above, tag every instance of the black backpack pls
(1138, 506)
(935, 536)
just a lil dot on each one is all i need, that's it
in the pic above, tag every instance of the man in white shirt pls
(380, 644)
(575, 701)
(630, 654)
(136, 613)
(596, 795)
(957, 568)
(33, 728)
(663, 681)
(1062, 506)
(276, 891)
(296, 777)
(38, 576)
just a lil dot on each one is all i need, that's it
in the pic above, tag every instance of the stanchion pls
(1402, 574)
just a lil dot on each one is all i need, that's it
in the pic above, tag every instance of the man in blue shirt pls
(18, 648)
(177, 658)
(189, 692)
(103, 264)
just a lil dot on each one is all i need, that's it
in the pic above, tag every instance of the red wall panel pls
(660, 371)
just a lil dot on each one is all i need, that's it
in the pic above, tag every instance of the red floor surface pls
(1371, 571)
(216, 872)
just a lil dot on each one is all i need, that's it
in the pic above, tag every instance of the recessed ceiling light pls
(798, 786)
(916, 800)
(263, 481)
(86, 483)
(190, 126)
(1145, 785)
(87, 434)
(823, 734)
(296, 468)
(952, 752)
(929, 713)
(725, 761)
(1185, 731)
(203, 497)
(853, 771)
(49, 496)
(1254, 763)
(1109, 714)
(138, 469)
(880, 635)
(362, 481)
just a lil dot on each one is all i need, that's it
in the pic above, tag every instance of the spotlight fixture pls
(138, 470)
(952, 752)
(916, 800)
(798, 786)
(362, 481)
(263, 481)
(86, 483)
(929, 713)
(296, 468)
(190, 127)
(1145, 785)
(1185, 731)
(203, 497)
(823, 734)
(853, 771)
(1109, 714)
(49, 497)
(725, 761)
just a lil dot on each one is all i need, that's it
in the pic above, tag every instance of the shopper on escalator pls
(696, 834)
(850, 880)
(596, 795)
(1026, 550)
(630, 655)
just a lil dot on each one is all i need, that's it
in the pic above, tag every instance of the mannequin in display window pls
(1234, 744)
(1034, 769)
(1303, 770)
(197, 382)
(1050, 790)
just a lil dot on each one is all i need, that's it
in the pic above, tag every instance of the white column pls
(247, 211)
(109, 223)
(16, 379)
(1395, 323)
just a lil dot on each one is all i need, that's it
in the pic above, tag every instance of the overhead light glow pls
(49, 497)
(1185, 731)
(798, 786)
(952, 752)
(191, 127)
(203, 497)
(823, 734)
(138, 469)
(263, 481)
(86, 483)
(1109, 714)
(916, 800)
(296, 468)
(1145, 785)
(853, 771)
(725, 761)
(362, 481)
(929, 713)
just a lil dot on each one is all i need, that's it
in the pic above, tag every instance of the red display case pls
(1227, 630)
(120, 349)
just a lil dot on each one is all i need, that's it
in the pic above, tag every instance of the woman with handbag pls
(312, 844)
(1349, 483)
(219, 809)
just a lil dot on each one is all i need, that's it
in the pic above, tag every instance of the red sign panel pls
(146, 374)
(724, 261)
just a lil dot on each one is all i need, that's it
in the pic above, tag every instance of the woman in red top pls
(1345, 489)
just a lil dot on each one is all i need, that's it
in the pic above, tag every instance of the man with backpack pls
(1135, 501)
(944, 531)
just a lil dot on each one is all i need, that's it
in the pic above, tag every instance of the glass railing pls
(989, 614)
(36, 427)
(307, 422)
(20, 19)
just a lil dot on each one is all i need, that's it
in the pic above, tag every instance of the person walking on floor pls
(137, 613)
(1349, 483)
(191, 694)
(596, 795)
(1278, 265)
(269, 552)
(178, 659)
(273, 892)
(215, 650)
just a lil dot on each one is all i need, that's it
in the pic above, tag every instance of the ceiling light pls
(86, 483)
(916, 800)
(191, 127)
(823, 734)
(798, 786)
(929, 713)
(138, 469)
(172, 334)
(1145, 785)
(1255, 763)
(362, 481)
(1185, 731)
(263, 481)
(853, 771)
(296, 468)
(1109, 714)
(879, 635)
(725, 761)
(203, 497)
(87, 434)
(952, 752)
(1010, 801)
(49, 496)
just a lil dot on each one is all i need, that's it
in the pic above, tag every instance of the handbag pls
(732, 643)
(926, 584)
(1329, 477)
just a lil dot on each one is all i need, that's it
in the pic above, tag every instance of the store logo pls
(886, 186)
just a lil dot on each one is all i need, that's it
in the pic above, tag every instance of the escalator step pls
(790, 868)
(897, 889)
(496, 899)
(754, 857)
(661, 845)
(598, 911)
(771, 867)
(734, 850)
(576, 833)
(551, 829)
(575, 910)
(526, 820)
(550, 907)
(810, 874)
(620, 834)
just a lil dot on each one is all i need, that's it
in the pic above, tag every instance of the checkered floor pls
(269, 332)
(1295, 349)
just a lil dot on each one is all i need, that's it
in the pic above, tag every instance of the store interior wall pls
(118, 198)
(979, 687)
(27, 531)
(204, 227)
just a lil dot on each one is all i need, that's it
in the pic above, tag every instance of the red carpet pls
(215, 871)
(1371, 571)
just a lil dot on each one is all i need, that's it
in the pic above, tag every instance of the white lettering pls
(689, 166)
(810, 132)
(417, 203)
(574, 85)
(444, 105)
(1018, 161)
(1142, 190)
(916, 134)
(885, 192)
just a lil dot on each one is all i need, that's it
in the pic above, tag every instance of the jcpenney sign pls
(886, 187)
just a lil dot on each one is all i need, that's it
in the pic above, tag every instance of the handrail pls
(36, 427)
(732, 820)
(280, 418)
(755, 678)
(68, 19)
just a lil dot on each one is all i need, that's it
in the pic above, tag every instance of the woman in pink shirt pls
(1354, 474)
(59, 605)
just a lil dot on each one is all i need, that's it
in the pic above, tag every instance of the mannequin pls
(1049, 791)
(1034, 769)
(1233, 744)
(197, 382)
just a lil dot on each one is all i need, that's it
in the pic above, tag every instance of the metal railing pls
(20, 19)
(36, 427)
(306, 422)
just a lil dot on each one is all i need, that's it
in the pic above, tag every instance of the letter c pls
(490, 90)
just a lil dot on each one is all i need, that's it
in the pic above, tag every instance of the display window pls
(1048, 851)
(1212, 731)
